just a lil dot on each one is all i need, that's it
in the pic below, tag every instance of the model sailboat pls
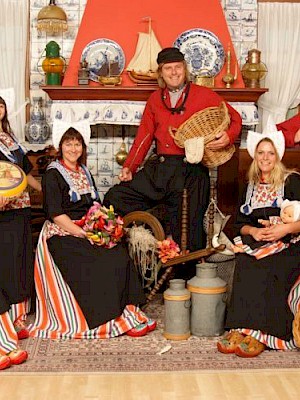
(142, 67)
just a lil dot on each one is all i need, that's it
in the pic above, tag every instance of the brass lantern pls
(52, 19)
(254, 70)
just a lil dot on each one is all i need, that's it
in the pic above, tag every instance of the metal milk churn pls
(208, 293)
(177, 311)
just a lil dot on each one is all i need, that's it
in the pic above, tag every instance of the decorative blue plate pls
(202, 51)
(103, 52)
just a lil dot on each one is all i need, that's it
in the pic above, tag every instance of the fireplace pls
(115, 113)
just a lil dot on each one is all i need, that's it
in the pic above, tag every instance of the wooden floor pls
(228, 385)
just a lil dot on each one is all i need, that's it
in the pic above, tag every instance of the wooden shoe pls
(4, 362)
(229, 343)
(21, 329)
(151, 324)
(140, 330)
(17, 356)
(296, 329)
(249, 347)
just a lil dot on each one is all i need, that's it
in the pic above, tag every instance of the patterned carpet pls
(125, 354)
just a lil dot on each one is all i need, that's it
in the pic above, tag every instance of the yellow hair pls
(277, 175)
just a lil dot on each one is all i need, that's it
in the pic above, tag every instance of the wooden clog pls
(4, 362)
(249, 347)
(21, 329)
(228, 344)
(17, 356)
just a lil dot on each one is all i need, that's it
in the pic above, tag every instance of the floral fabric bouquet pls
(102, 226)
(167, 249)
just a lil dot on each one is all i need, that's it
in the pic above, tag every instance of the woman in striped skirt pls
(264, 311)
(83, 290)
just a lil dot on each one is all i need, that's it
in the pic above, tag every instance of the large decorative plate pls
(103, 52)
(202, 51)
(12, 179)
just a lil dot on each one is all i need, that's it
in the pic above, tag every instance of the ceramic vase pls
(37, 129)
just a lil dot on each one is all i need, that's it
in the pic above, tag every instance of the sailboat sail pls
(144, 59)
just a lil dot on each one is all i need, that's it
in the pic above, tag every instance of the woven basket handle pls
(173, 132)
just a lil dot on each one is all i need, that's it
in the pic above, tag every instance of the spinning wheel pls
(146, 219)
(149, 220)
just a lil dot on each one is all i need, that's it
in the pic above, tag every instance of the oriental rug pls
(126, 354)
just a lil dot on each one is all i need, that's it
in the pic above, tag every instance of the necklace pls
(76, 169)
(180, 87)
(179, 109)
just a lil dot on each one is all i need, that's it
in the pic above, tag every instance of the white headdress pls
(296, 206)
(60, 127)
(270, 131)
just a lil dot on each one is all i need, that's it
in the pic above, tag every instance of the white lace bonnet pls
(60, 127)
(271, 132)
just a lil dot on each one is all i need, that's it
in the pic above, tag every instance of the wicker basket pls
(207, 123)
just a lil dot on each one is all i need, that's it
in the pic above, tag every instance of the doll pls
(290, 212)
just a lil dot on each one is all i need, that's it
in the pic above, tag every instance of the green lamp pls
(53, 65)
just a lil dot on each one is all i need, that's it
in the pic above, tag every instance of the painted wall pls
(169, 20)
(109, 21)
(241, 18)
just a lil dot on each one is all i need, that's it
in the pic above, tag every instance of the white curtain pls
(13, 47)
(279, 42)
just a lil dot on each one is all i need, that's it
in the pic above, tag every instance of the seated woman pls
(266, 292)
(16, 263)
(83, 290)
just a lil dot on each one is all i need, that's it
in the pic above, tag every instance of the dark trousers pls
(162, 181)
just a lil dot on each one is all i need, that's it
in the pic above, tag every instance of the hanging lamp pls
(52, 19)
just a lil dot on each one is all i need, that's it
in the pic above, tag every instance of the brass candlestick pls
(229, 78)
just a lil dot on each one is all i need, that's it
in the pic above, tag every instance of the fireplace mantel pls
(139, 93)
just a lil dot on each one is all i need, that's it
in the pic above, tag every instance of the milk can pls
(177, 311)
(208, 297)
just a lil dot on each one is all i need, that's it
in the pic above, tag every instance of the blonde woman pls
(264, 308)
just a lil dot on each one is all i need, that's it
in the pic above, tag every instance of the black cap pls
(168, 55)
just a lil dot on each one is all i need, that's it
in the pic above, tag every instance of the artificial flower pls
(167, 249)
(102, 226)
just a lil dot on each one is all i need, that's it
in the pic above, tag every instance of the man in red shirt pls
(291, 130)
(164, 176)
